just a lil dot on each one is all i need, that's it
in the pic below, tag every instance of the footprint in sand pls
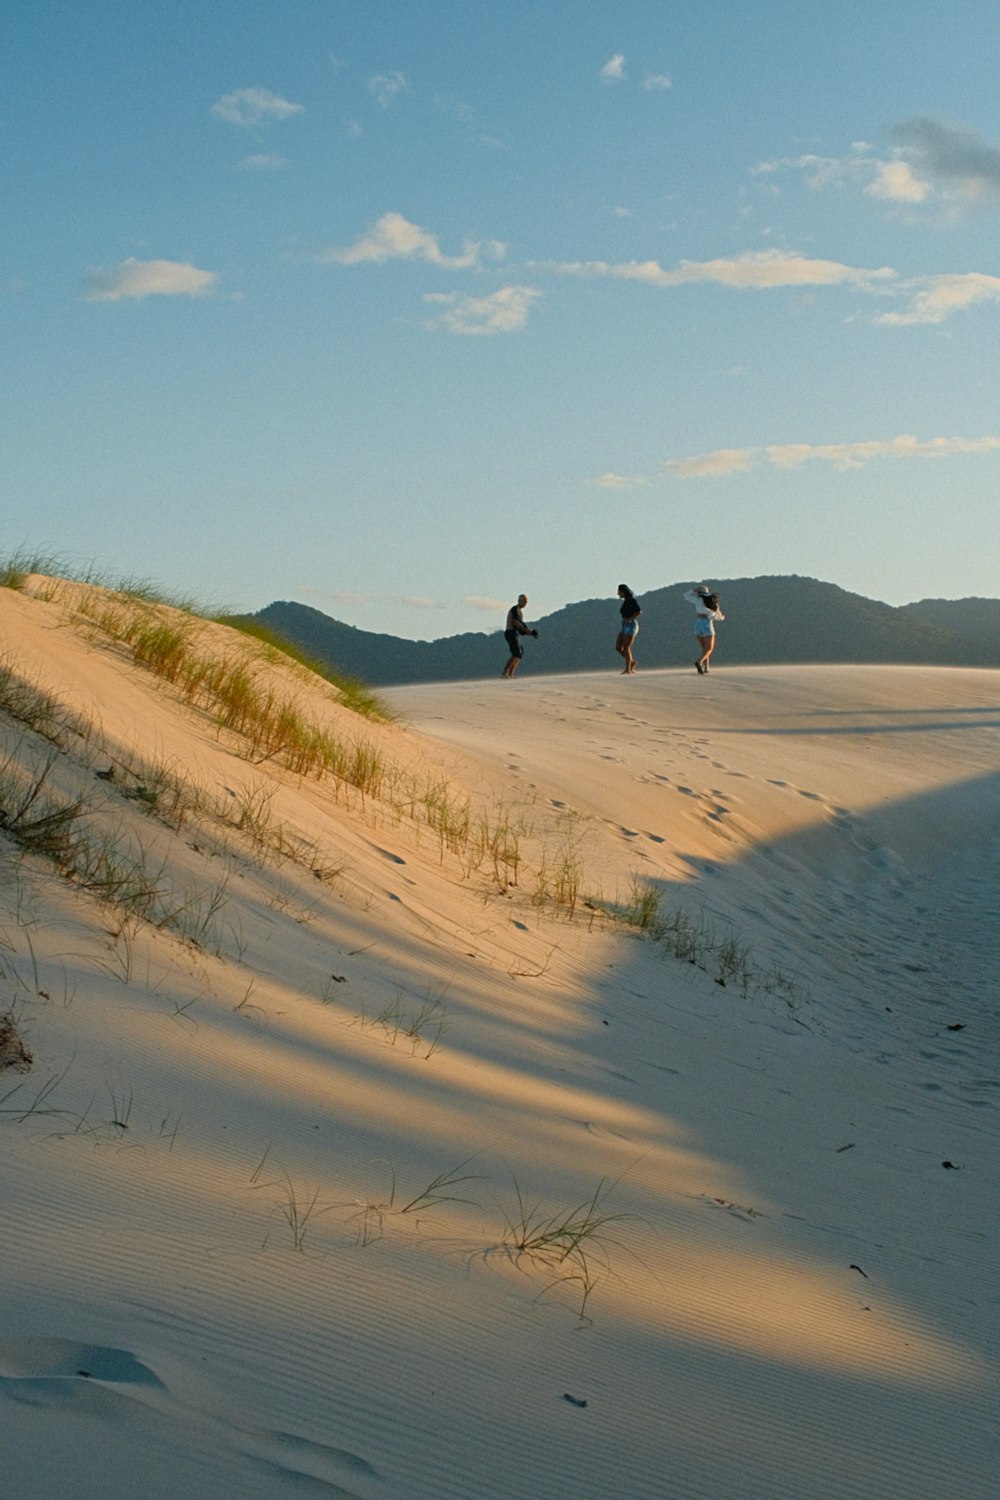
(396, 859)
(282, 1453)
(67, 1362)
(95, 1379)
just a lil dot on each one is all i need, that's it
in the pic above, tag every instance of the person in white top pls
(707, 611)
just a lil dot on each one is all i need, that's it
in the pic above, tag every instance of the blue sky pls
(398, 309)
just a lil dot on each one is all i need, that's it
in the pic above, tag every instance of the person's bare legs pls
(623, 646)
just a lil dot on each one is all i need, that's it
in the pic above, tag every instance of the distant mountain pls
(976, 621)
(771, 619)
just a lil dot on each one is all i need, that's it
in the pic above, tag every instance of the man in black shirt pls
(513, 633)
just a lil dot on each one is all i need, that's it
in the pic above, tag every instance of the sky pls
(399, 308)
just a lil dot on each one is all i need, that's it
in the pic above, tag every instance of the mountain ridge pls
(770, 619)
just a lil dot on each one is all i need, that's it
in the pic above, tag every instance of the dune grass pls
(13, 1052)
(574, 1242)
(354, 694)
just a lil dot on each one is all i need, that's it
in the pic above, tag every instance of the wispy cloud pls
(384, 87)
(484, 604)
(929, 299)
(249, 106)
(352, 599)
(753, 269)
(612, 481)
(938, 297)
(932, 163)
(614, 69)
(136, 279)
(420, 601)
(505, 311)
(393, 237)
(717, 465)
(725, 461)
(655, 81)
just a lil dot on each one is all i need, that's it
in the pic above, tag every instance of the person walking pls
(630, 612)
(707, 611)
(515, 629)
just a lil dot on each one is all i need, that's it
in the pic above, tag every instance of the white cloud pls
(505, 311)
(843, 456)
(420, 601)
(657, 81)
(939, 296)
(928, 300)
(897, 182)
(817, 171)
(485, 604)
(250, 106)
(149, 278)
(394, 238)
(717, 465)
(614, 69)
(385, 86)
(932, 162)
(755, 268)
(612, 481)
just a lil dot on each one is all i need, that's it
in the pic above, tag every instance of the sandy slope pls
(799, 1298)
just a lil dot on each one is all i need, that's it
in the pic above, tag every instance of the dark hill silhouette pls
(977, 621)
(770, 619)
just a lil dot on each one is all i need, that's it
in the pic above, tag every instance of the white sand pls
(800, 1299)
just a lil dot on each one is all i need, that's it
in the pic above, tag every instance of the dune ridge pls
(376, 1150)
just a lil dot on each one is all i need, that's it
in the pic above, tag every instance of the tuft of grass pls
(422, 1025)
(29, 816)
(298, 1207)
(574, 1242)
(372, 1214)
(35, 709)
(643, 907)
(13, 1052)
(162, 647)
(16, 569)
(353, 694)
(558, 879)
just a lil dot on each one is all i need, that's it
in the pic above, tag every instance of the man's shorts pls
(513, 639)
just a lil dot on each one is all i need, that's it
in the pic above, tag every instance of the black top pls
(631, 608)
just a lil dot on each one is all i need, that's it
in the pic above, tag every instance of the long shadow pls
(773, 1315)
(780, 731)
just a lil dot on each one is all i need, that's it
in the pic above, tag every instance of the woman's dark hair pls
(625, 587)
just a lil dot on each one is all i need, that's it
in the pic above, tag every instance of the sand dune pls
(264, 1182)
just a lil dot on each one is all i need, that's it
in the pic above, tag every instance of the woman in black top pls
(630, 612)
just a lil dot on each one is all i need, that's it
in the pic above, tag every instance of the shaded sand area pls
(405, 1143)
